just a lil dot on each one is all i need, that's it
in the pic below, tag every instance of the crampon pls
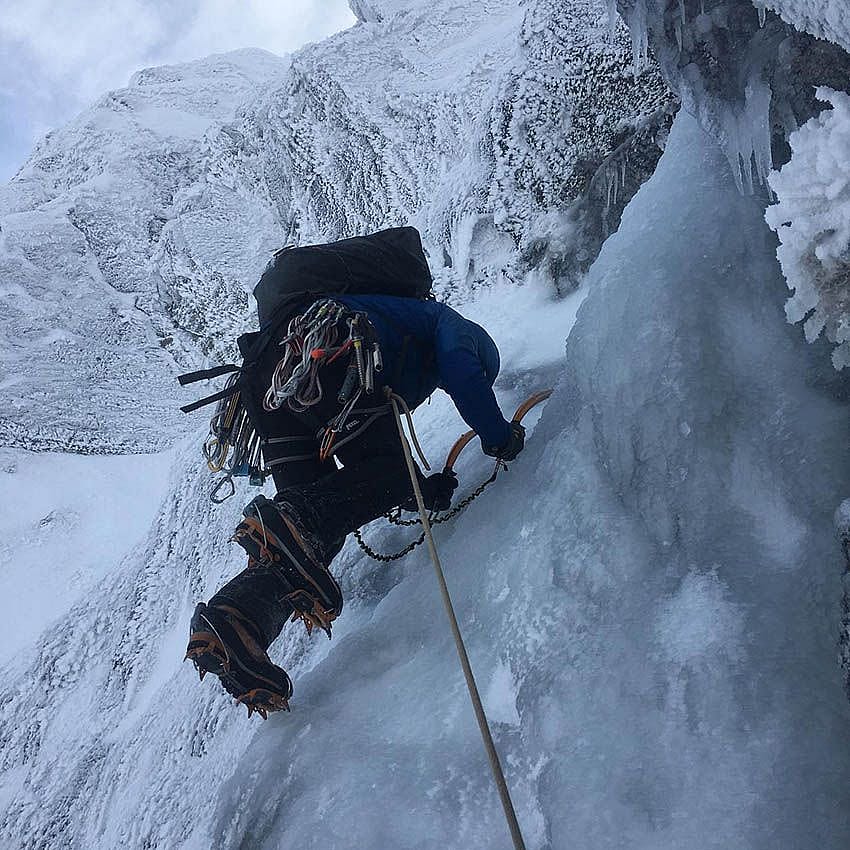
(223, 642)
(270, 537)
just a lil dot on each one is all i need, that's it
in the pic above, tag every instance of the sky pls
(58, 58)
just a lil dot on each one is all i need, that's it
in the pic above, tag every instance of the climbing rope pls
(478, 708)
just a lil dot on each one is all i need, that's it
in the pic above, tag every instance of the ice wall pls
(650, 597)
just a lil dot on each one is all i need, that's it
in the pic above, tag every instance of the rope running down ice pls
(480, 716)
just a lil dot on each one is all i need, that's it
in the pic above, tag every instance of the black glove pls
(510, 449)
(437, 490)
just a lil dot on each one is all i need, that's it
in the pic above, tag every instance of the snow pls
(70, 520)
(79, 226)
(812, 220)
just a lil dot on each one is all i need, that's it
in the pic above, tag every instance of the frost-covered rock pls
(812, 219)
(747, 75)
(87, 323)
(575, 133)
(826, 19)
(374, 11)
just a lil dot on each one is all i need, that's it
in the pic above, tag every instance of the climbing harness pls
(435, 517)
(478, 708)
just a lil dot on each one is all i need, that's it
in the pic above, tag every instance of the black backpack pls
(389, 262)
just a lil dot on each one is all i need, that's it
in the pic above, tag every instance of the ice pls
(636, 18)
(745, 134)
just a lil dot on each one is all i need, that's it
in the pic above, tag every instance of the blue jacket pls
(443, 350)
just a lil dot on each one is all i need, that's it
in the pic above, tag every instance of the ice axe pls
(463, 441)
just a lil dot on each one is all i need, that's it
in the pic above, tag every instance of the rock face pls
(91, 317)
(131, 239)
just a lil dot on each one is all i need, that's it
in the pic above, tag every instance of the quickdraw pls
(233, 446)
(435, 518)
(314, 339)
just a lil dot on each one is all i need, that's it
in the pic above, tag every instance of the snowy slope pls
(651, 594)
(74, 519)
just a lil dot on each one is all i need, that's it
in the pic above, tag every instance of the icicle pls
(640, 37)
(762, 14)
(746, 135)
(681, 24)
(611, 7)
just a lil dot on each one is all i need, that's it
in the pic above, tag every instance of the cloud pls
(56, 58)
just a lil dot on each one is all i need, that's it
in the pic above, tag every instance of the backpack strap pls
(201, 374)
(203, 402)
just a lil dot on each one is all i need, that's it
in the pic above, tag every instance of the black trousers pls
(325, 502)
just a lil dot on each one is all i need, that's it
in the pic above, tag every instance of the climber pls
(317, 398)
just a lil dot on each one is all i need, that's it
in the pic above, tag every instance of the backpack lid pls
(389, 262)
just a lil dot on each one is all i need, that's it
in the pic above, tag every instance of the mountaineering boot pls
(223, 641)
(275, 543)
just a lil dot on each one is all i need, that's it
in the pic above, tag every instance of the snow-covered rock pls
(90, 350)
(155, 211)
(812, 220)
(826, 19)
